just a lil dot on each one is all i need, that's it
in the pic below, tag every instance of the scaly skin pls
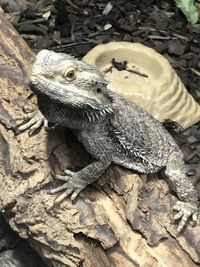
(76, 95)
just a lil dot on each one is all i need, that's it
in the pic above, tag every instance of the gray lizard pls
(76, 95)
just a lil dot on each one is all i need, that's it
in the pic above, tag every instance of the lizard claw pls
(185, 210)
(32, 121)
(73, 185)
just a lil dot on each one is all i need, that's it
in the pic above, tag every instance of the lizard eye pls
(70, 74)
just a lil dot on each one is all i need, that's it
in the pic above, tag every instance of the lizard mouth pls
(33, 79)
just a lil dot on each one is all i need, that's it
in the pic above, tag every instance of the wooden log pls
(123, 220)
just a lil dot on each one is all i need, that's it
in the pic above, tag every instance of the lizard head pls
(69, 81)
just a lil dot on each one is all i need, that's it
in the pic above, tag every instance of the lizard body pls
(74, 94)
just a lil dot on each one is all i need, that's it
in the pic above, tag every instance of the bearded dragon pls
(76, 95)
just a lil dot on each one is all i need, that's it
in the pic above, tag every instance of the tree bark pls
(123, 220)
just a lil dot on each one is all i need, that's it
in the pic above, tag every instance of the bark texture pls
(124, 220)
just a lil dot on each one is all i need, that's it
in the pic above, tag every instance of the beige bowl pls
(148, 80)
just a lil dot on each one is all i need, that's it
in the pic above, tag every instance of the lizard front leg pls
(77, 181)
(186, 192)
(33, 121)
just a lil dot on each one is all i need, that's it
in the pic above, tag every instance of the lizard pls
(76, 95)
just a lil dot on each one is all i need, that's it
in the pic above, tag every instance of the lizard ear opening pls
(98, 90)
